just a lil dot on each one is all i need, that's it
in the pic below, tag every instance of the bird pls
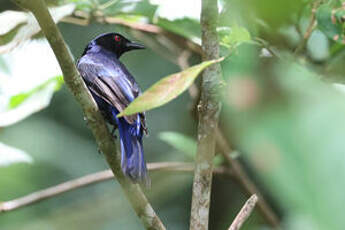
(113, 88)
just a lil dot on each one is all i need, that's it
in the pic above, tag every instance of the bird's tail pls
(132, 152)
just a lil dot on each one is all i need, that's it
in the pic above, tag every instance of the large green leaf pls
(27, 86)
(166, 89)
(10, 155)
(16, 100)
(17, 27)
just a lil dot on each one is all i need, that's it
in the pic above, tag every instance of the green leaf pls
(295, 140)
(20, 98)
(327, 22)
(186, 145)
(166, 89)
(234, 36)
(10, 155)
(180, 142)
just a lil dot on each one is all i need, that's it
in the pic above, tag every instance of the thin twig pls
(96, 122)
(243, 179)
(208, 110)
(92, 179)
(310, 28)
(245, 212)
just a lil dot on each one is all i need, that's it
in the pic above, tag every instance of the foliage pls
(282, 110)
(10, 155)
(166, 89)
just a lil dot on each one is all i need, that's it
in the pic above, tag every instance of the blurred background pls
(283, 112)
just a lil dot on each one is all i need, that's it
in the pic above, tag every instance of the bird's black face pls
(116, 43)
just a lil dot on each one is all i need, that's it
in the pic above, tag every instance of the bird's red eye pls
(117, 38)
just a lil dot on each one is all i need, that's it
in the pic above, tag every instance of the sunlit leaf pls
(28, 105)
(166, 89)
(20, 98)
(3, 65)
(10, 19)
(10, 155)
(16, 27)
(28, 86)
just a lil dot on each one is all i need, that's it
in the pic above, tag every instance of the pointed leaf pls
(166, 89)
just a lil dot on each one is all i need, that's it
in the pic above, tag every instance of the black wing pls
(110, 81)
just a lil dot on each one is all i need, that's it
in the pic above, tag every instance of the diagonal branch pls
(244, 180)
(244, 213)
(92, 179)
(208, 110)
(310, 28)
(95, 120)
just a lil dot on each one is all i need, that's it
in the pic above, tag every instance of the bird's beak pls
(134, 46)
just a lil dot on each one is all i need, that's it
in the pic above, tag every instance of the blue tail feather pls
(132, 152)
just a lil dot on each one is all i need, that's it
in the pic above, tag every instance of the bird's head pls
(116, 43)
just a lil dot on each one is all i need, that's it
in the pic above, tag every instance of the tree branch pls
(310, 28)
(246, 183)
(92, 179)
(237, 169)
(95, 120)
(208, 109)
(245, 212)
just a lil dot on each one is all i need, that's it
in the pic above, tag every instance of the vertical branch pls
(95, 120)
(208, 109)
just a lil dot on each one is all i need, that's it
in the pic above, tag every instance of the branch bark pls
(95, 120)
(245, 212)
(208, 109)
(95, 178)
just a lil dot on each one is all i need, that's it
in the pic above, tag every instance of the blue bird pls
(113, 88)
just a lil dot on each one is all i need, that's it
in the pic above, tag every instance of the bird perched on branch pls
(113, 88)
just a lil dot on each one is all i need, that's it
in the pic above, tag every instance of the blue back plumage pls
(114, 88)
(132, 152)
